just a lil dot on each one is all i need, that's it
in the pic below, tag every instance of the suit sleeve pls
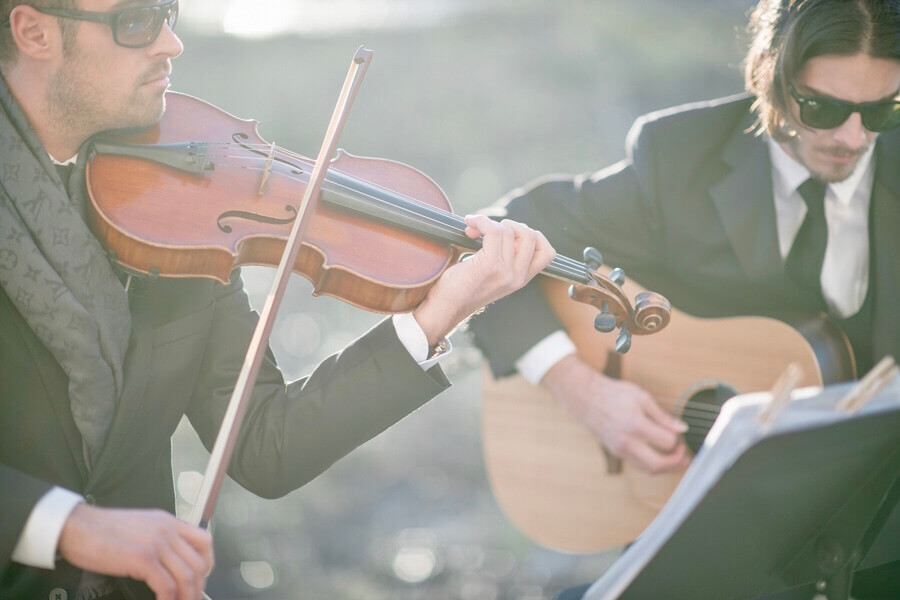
(292, 433)
(613, 210)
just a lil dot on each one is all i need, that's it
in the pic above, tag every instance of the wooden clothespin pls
(868, 386)
(781, 394)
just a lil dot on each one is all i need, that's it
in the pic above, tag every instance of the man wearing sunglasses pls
(94, 379)
(716, 207)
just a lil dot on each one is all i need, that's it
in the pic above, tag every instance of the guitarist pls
(785, 197)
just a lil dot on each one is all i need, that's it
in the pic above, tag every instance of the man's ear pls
(37, 35)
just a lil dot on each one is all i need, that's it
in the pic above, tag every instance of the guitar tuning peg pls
(592, 258)
(617, 275)
(623, 340)
(605, 321)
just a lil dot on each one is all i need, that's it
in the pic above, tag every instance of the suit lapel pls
(743, 198)
(63, 411)
(886, 244)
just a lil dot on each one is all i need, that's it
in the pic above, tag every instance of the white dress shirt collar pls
(71, 160)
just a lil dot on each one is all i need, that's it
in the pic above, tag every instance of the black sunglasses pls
(132, 27)
(828, 113)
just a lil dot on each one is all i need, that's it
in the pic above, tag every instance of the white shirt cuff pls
(413, 339)
(37, 544)
(535, 363)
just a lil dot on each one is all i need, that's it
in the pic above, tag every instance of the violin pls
(201, 193)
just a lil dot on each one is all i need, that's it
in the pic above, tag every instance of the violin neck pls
(382, 204)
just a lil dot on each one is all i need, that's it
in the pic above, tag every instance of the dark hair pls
(8, 49)
(785, 34)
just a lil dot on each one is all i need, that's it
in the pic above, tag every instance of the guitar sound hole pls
(701, 409)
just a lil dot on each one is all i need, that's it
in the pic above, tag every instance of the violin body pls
(234, 203)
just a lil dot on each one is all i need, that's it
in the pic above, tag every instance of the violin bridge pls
(267, 170)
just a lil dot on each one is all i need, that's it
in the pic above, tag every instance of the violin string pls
(448, 221)
(445, 220)
(438, 216)
(572, 268)
(569, 265)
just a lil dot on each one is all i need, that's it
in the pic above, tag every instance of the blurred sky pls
(266, 18)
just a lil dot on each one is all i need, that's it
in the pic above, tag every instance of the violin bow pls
(237, 406)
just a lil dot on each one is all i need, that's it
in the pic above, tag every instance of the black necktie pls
(65, 171)
(804, 261)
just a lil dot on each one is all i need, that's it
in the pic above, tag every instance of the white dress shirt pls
(845, 270)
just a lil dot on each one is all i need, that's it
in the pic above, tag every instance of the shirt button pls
(58, 594)
(89, 498)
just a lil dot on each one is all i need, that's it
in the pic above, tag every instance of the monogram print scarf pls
(56, 274)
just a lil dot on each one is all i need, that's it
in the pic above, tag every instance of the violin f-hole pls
(241, 214)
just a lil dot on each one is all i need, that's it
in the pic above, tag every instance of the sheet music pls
(735, 431)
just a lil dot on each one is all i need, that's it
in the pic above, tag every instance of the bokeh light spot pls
(258, 574)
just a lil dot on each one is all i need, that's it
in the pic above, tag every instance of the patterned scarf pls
(57, 275)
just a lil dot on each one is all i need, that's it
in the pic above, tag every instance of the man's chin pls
(834, 173)
(136, 123)
(150, 113)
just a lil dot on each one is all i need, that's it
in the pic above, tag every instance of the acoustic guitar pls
(553, 479)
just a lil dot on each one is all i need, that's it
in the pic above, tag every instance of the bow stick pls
(237, 406)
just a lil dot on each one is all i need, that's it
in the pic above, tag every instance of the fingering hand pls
(511, 254)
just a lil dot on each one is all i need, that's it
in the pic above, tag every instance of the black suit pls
(187, 345)
(690, 214)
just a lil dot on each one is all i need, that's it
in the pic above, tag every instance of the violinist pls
(94, 379)
(784, 197)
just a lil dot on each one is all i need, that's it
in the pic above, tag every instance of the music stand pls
(762, 511)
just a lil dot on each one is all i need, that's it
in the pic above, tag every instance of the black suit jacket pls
(187, 346)
(690, 214)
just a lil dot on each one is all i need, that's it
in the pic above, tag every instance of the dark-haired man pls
(784, 198)
(94, 380)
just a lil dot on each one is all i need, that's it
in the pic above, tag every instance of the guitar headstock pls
(649, 313)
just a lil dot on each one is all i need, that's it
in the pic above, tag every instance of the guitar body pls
(552, 477)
